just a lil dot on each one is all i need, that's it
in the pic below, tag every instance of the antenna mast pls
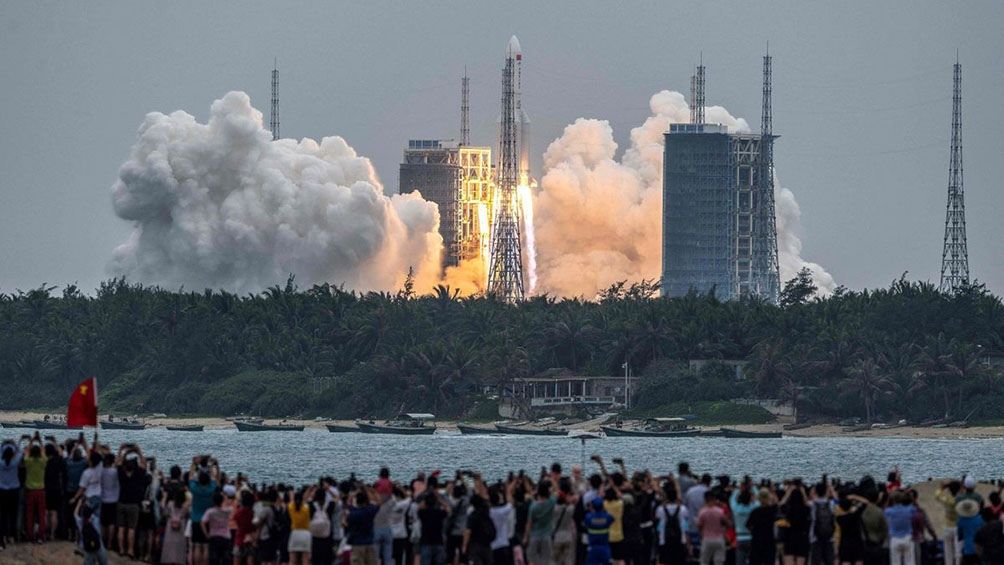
(699, 93)
(955, 253)
(274, 118)
(465, 109)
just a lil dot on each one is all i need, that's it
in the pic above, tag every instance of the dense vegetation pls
(908, 351)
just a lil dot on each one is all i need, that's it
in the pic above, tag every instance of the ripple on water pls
(301, 457)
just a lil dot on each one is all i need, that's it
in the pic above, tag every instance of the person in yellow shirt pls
(34, 484)
(614, 505)
(299, 535)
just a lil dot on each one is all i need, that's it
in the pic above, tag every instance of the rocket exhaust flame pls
(525, 197)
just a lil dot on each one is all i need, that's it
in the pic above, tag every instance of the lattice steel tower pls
(465, 109)
(505, 273)
(767, 278)
(955, 254)
(274, 117)
(697, 95)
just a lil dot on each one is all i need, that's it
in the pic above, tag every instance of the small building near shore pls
(531, 397)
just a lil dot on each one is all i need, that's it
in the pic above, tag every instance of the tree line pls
(907, 351)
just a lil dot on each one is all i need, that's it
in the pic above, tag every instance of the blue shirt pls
(598, 528)
(967, 528)
(202, 498)
(74, 468)
(740, 514)
(360, 524)
(8, 471)
(900, 519)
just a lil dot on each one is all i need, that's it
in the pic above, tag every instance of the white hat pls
(969, 482)
(230, 490)
(131, 456)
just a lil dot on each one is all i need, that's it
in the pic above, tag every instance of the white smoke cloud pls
(220, 205)
(599, 220)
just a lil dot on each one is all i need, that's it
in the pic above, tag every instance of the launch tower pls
(505, 272)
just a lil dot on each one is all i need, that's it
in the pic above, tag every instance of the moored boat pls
(247, 426)
(654, 427)
(185, 428)
(530, 431)
(406, 424)
(122, 425)
(338, 428)
(469, 430)
(744, 434)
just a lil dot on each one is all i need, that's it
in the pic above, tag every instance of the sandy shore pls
(817, 430)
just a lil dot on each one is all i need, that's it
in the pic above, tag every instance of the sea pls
(303, 457)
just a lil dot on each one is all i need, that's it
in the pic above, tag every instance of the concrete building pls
(711, 179)
(531, 397)
(458, 178)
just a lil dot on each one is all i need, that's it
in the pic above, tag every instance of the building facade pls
(712, 182)
(458, 179)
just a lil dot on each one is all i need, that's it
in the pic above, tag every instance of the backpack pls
(90, 537)
(673, 533)
(823, 526)
(320, 524)
(482, 528)
(281, 525)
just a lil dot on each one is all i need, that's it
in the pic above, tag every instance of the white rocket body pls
(515, 52)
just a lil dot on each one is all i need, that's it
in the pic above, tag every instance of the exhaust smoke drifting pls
(220, 205)
(599, 220)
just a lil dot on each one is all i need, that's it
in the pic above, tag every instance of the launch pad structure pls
(719, 230)
(505, 271)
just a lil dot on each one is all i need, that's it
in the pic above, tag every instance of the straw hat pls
(967, 508)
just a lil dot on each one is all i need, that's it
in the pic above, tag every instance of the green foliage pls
(908, 351)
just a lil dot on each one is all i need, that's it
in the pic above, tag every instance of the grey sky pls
(862, 99)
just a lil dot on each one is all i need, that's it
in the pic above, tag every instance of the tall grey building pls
(711, 180)
(718, 225)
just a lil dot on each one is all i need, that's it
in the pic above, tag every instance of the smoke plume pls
(599, 219)
(220, 205)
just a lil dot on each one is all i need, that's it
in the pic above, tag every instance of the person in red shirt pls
(713, 525)
(384, 485)
(244, 535)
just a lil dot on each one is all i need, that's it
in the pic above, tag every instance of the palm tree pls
(867, 381)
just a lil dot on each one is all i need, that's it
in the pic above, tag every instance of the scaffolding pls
(459, 180)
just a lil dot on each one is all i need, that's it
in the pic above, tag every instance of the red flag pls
(83, 408)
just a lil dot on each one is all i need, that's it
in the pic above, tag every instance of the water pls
(302, 457)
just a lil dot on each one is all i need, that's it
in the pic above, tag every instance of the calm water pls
(301, 457)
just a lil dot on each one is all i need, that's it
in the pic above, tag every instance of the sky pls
(862, 101)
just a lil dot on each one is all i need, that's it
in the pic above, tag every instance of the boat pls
(855, 429)
(743, 434)
(469, 430)
(792, 427)
(41, 425)
(338, 428)
(406, 424)
(654, 427)
(249, 426)
(122, 424)
(530, 431)
(185, 428)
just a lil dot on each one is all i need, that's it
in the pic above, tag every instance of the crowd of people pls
(117, 499)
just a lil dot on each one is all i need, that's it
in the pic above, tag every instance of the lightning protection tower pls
(505, 273)
(767, 278)
(465, 110)
(955, 253)
(274, 117)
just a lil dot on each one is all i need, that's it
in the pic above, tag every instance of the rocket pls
(515, 52)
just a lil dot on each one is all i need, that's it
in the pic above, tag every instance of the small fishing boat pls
(469, 430)
(530, 430)
(855, 429)
(248, 426)
(405, 424)
(654, 427)
(340, 429)
(743, 434)
(185, 428)
(792, 427)
(122, 424)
